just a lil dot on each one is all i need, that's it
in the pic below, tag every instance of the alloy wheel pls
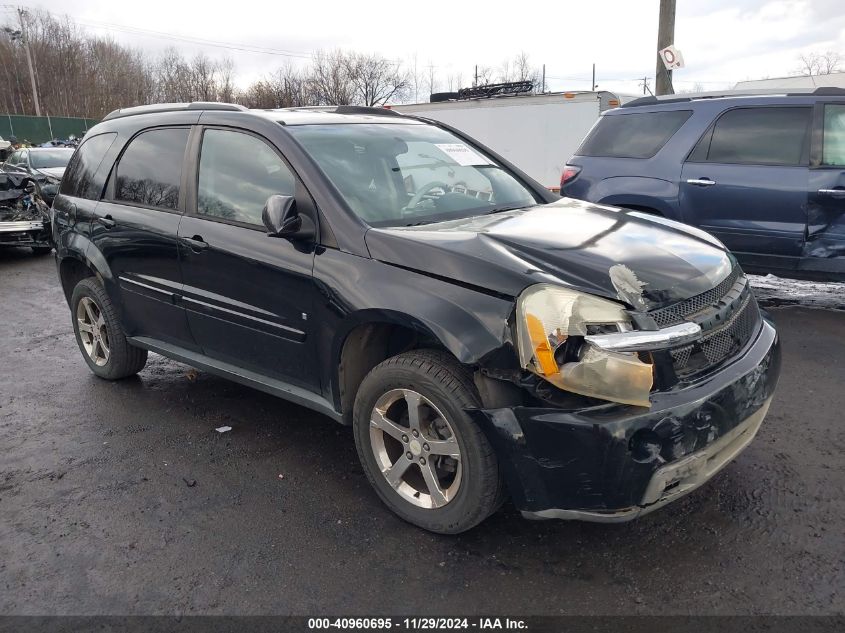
(92, 331)
(416, 448)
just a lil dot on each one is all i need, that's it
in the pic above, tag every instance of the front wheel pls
(423, 455)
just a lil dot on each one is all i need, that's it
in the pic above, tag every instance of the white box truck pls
(538, 133)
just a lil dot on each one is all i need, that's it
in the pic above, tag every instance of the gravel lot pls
(121, 498)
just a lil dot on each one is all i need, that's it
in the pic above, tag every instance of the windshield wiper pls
(506, 208)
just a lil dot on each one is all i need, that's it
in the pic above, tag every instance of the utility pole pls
(25, 39)
(593, 85)
(665, 37)
(475, 82)
(543, 91)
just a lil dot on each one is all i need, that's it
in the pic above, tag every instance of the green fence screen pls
(38, 129)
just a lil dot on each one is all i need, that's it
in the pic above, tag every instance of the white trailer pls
(538, 133)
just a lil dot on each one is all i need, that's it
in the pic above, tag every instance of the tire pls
(446, 389)
(113, 357)
(437, 97)
(41, 250)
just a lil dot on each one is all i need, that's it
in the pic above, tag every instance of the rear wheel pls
(99, 334)
(422, 453)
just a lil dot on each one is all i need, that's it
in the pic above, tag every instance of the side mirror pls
(283, 220)
(280, 216)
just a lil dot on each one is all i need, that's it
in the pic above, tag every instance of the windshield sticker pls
(461, 154)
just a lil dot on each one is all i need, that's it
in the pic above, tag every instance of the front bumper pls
(616, 462)
(25, 233)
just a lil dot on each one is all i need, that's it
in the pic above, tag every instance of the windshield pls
(406, 175)
(50, 158)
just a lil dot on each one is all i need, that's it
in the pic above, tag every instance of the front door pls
(248, 296)
(134, 227)
(746, 181)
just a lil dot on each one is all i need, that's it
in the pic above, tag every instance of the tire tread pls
(125, 359)
(458, 383)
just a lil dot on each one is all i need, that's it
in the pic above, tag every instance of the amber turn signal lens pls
(540, 343)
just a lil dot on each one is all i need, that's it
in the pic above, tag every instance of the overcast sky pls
(723, 41)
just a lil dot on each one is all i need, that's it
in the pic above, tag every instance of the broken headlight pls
(551, 322)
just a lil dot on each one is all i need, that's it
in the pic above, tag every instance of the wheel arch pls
(78, 258)
(369, 337)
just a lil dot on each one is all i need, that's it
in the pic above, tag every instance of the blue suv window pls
(757, 136)
(639, 135)
(834, 136)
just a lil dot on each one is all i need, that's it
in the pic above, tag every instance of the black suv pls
(481, 335)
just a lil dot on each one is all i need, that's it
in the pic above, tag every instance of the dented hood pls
(646, 261)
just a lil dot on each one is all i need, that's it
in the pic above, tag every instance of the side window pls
(78, 180)
(13, 159)
(833, 146)
(637, 135)
(150, 171)
(758, 136)
(237, 173)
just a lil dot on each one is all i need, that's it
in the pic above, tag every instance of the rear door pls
(745, 181)
(826, 194)
(248, 296)
(134, 228)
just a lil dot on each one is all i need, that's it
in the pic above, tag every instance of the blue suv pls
(764, 173)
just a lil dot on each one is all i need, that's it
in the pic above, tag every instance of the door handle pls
(701, 182)
(195, 243)
(836, 193)
(107, 221)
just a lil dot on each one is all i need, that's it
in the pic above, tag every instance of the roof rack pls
(173, 107)
(824, 91)
(373, 110)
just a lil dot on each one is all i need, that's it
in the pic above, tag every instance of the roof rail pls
(374, 110)
(822, 91)
(172, 107)
(788, 92)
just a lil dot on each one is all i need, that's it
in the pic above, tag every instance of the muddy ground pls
(121, 498)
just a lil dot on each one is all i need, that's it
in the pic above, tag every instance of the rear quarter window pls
(636, 135)
(79, 178)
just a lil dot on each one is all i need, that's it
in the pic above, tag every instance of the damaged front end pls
(24, 218)
(629, 409)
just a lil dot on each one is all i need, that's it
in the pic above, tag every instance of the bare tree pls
(484, 75)
(455, 82)
(286, 87)
(414, 77)
(330, 78)
(819, 63)
(83, 75)
(376, 80)
(432, 84)
(519, 69)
